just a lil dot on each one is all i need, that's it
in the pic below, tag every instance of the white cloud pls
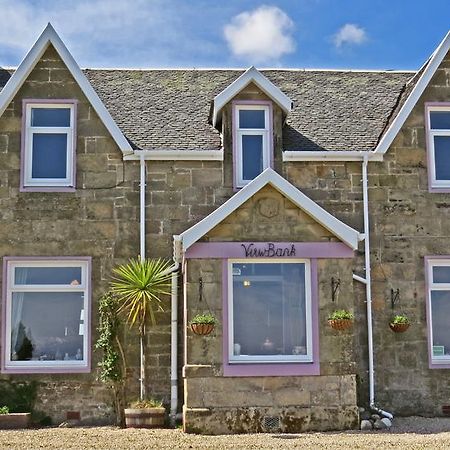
(350, 34)
(260, 36)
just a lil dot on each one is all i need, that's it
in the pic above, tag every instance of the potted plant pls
(140, 286)
(340, 319)
(203, 324)
(145, 414)
(13, 420)
(400, 323)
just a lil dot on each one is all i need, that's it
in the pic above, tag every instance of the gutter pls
(175, 155)
(367, 281)
(338, 155)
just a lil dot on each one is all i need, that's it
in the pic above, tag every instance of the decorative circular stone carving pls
(268, 207)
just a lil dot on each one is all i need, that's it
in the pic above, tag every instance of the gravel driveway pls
(407, 433)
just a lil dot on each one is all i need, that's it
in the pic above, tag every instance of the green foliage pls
(400, 319)
(140, 286)
(341, 314)
(206, 318)
(18, 396)
(150, 403)
(4, 410)
(109, 328)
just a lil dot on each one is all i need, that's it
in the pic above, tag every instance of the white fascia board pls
(343, 155)
(49, 36)
(255, 76)
(345, 233)
(422, 83)
(176, 155)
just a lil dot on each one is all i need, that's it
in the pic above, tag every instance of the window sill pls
(46, 369)
(271, 369)
(47, 189)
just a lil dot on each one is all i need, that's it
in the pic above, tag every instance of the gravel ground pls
(407, 433)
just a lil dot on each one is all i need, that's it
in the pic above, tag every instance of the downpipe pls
(367, 281)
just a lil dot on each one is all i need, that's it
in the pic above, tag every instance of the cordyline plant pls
(140, 286)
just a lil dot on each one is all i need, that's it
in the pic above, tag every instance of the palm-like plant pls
(140, 286)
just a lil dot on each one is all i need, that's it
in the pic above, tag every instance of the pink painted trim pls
(204, 250)
(272, 369)
(431, 364)
(234, 134)
(430, 160)
(22, 187)
(87, 317)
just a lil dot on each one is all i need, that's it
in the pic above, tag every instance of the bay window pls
(49, 145)
(269, 311)
(46, 310)
(253, 141)
(438, 309)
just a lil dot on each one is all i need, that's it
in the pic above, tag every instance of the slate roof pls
(169, 109)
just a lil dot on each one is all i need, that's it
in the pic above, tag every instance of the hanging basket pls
(399, 327)
(202, 329)
(340, 324)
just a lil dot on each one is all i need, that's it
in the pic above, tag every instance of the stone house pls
(282, 195)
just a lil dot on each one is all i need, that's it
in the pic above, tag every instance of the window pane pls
(440, 312)
(50, 117)
(49, 156)
(47, 326)
(442, 157)
(252, 118)
(269, 310)
(441, 274)
(252, 156)
(440, 120)
(48, 275)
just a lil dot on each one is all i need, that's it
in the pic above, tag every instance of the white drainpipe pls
(142, 209)
(367, 281)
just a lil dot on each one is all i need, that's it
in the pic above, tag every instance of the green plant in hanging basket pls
(341, 319)
(203, 324)
(399, 323)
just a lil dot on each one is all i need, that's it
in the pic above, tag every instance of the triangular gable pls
(342, 231)
(428, 71)
(49, 36)
(249, 76)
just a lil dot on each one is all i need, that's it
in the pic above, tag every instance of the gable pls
(48, 38)
(269, 215)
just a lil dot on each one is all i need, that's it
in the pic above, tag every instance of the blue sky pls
(366, 34)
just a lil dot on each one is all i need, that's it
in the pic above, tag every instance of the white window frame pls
(11, 287)
(240, 132)
(258, 359)
(28, 180)
(445, 359)
(431, 134)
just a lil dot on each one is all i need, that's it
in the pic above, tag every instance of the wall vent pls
(271, 423)
(446, 410)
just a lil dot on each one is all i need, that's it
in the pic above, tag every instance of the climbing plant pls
(113, 363)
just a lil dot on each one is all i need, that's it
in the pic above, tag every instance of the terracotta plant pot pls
(15, 420)
(399, 327)
(202, 329)
(145, 417)
(340, 324)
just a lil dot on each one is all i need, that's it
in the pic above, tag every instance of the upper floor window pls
(46, 308)
(438, 121)
(49, 145)
(253, 141)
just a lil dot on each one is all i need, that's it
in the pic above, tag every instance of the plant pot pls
(340, 324)
(399, 327)
(145, 417)
(15, 420)
(202, 329)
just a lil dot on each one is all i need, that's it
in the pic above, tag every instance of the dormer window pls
(252, 141)
(49, 145)
(438, 139)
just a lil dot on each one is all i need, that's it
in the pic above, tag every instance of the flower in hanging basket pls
(203, 324)
(340, 319)
(399, 324)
